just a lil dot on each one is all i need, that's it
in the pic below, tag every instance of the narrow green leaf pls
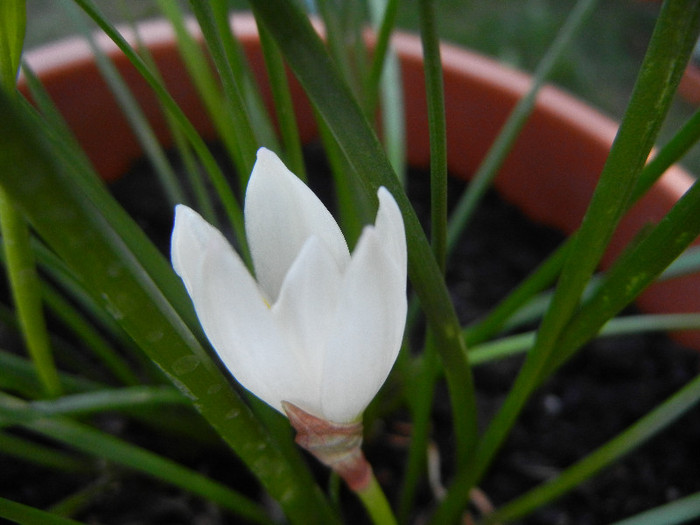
(260, 123)
(675, 35)
(18, 374)
(22, 448)
(13, 21)
(284, 108)
(233, 98)
(338, 18)
(89, 335)
(420, 395)
(427, 376)
(26, 515)
(26, 293)
(68, 152)
(67, 148)
(197, 64)
(20, 377)
(384, 15)
(24, 282)
(490, 165)
(684, 139)
(437, 131)
(679, 511)
(192, 169)
(384, 84)
(109, 399)
(630, 324)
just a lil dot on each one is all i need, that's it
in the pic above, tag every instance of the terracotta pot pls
(550, 174)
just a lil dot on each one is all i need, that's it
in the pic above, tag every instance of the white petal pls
(304, 313)
(390, 228)
(367, 332)
(191, 235)
(231, 308)
(241, 327)
(281, 213)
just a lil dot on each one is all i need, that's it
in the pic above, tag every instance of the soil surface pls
(609, 385)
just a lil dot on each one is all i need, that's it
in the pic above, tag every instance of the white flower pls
(319, 328)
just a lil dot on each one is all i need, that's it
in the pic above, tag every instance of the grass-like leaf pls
(27, 515)
(24, 449)
(13, 21)
(233, 98)
(284, 107)
(679, 511)
(630, 324)
(26, 293)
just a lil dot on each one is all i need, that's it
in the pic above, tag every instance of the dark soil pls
(604, 389)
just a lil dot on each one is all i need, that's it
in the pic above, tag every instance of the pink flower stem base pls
(336, 445)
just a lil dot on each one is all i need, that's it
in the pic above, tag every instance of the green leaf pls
(18, 375)
(679, 511)
(26, 515)
(437, 130)
(23, 448)
(284, 107)
(630, 324)
(244, 155)
(108, 399)
(13, 21)
(26, 294)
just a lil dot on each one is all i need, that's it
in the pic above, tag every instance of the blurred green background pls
(600, 67)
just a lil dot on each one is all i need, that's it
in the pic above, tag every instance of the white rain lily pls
(319, 328)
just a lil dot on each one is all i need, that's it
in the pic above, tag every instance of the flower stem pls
(375, 502)
(337, 445)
